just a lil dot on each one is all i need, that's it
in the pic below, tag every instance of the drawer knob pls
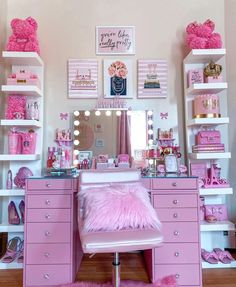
(175, 201)
(174, 184)
(48, 185)
(176, 254)
(176, 233)
(46, 276)
(177, 276)
(46, 254)
(175, 215)
(47, 216)
(47, 202)
(47, 233)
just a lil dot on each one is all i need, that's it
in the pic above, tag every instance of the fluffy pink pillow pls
(117, 207)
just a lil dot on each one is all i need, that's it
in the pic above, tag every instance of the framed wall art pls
(118, 80)
(152, 79)
(82, 78)
(115, 40)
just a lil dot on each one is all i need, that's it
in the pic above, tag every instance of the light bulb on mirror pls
(118, 113)
(87, 113)
(97, 113)
(75, 162)
(76, 132)
(108, 113)
(76, 142)
(150, 132)
(150, 122)
(129, 113)
(76, 113)
(150, 142)
(150, 161)
(76, 123)
(76, 152)
(150, 113)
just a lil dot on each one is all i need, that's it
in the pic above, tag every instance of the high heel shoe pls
(20, 256)
(13, 216)
(22, 210)
(12, 251)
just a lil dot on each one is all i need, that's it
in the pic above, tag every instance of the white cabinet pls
(212, 234)
(15, 61)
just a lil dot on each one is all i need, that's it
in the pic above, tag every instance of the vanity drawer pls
(49, 184)
(47, 275)
(177, 253)
(48, 232)
(48, 215)
(174, 183)
(48, 253)
(175, 200)
(49, 201)
(146, 182)
(180, 232)
(177, 214)
(186, 275)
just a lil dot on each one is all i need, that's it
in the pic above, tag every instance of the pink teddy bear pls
(24, 36)
(201, 36)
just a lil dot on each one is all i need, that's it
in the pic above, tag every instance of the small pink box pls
(23, 77)
(195, 76)
(218, 79)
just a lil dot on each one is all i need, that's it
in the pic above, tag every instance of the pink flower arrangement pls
(118, 69)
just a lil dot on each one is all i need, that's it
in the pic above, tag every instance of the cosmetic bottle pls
(9, 180)
(63, 160)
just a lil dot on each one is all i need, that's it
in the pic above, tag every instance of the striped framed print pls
(82, 78)
(152, 78)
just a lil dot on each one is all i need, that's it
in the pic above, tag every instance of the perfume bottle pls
(9, 180)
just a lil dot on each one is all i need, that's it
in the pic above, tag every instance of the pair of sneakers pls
(216, 255)
(15, 251)
(13, 216)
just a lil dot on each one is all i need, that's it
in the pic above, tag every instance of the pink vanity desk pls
(52, 247)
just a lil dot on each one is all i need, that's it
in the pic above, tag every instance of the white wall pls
(67, 30)
(230, 32)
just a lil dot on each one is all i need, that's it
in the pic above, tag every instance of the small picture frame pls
(171, 163)
(199, 170)
(98, 127)
(86, 154)
(99, 143)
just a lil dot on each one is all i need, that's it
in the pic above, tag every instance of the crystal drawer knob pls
(175, 201)
(47, 202)
(176, 254)
(175, 215)
(47, 216)
(177, 276)
(46, 276)
(48, 185)
(174, 184)
(46, 254)
(176, 233)
(47, 233)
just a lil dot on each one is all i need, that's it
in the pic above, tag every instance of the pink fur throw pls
(117, 207)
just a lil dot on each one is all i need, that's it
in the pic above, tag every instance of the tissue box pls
(123, 165)
(218, 79)
(195, 76)
(23, 77)
(102, 165)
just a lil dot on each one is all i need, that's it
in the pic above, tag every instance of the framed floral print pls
(118, 78)
(152, 79)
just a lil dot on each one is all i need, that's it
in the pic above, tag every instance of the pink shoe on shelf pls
(20, 256)
(224, 256)
(210, 257)
(22, 210)
(12, 250)
(13, 216)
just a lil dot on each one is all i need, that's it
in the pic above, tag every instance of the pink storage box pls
(218, 79)
(218, 210)
(23, 77)
(208, 137)
(206, 106)
(208, 148)
(195, 76)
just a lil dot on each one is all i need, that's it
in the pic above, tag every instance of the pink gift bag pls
(218, 210)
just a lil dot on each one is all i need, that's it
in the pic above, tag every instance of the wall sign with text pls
(115, 40)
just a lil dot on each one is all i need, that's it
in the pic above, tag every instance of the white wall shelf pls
(208, 121)
(32, 91)
(19, 157)
(209, 155)
(23, 58)
(5, 227)
(217, 226)
(204, 55)
(12, 265)
(211, 88)
(23, 123)
(12, 192)
(206, 265)
(216, 191)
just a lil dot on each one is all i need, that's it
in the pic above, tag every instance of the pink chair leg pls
(116, 270)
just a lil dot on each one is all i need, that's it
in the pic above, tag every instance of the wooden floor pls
(98, 269)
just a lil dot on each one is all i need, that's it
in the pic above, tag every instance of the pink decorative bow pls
(217, 210)
(164, 116)
(64, 116)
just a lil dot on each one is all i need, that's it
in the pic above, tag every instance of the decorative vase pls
(118, 86)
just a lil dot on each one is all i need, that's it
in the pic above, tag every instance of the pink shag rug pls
(168, 281)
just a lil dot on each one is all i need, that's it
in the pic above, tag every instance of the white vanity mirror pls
(111, 132)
